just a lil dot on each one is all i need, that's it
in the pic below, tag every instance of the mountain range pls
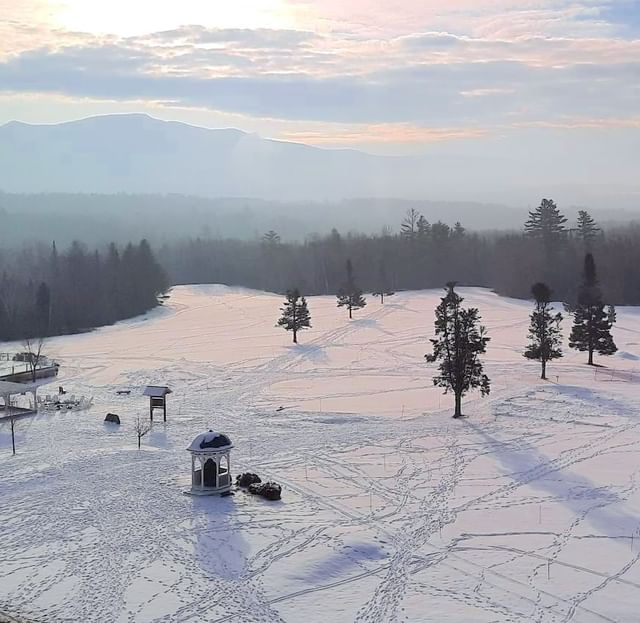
(138, 154)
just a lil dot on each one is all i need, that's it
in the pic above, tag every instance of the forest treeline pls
(45, 291)
(423, 255)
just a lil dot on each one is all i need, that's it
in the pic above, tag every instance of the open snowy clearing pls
(528, 510)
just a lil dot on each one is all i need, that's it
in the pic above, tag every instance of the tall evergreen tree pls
(458, 231)
(545, 337)
(423, 228)
(591, 330)
(383, 286)
(349, 295)
(587, 229)
(295, 314)
(459, 342)
(546, 223)
(271, 238)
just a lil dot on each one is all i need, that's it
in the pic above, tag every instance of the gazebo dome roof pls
(210, 441)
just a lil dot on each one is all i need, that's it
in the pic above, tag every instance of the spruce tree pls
(423, 228)
(587, 229)
(384, 287)
(545, 337)
(295, 314)
(546, 223)
(459, 231)
(591, 330)
(271, 238)
(349, 295)
(459, 342)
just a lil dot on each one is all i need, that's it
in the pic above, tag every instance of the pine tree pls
(459, 342)
(544, 331)
(459, 231)
(271, 238)
(546, 223)
(587, 229)
(384, 287)
(591, 330)
(423, 228)
(295, 314)
(349, 295)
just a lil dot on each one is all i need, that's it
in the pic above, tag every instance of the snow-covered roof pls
(210, 441)
(156, 391)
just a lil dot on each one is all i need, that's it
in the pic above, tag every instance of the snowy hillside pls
(528, 510)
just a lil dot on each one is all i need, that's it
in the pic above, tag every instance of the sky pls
(412, 76)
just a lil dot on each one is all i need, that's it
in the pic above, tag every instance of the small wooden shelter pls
(157, 399)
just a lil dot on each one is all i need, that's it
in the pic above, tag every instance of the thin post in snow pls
(370, 502)
(548, 569)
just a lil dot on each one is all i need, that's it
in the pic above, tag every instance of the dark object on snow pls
(113, 418)
(123, 392)
(246, 479)
(268, 490)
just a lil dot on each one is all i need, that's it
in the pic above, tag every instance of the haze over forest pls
(111, 177)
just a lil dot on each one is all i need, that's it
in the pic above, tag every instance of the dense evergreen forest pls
(46, 291)
(423, 255)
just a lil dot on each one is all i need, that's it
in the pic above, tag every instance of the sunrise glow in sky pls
(395, 76)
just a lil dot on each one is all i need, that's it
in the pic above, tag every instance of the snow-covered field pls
(528, 510)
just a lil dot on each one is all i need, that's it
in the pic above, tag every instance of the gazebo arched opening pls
(210, 474)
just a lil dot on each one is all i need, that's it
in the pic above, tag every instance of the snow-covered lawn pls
(529, 510)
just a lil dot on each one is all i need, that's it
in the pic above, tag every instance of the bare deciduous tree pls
(12, 424)
(141, 428)
(33, 347)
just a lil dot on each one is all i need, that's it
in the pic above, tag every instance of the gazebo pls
(210, 467)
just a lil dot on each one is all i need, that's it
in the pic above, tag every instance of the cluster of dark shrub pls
(254, 485)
